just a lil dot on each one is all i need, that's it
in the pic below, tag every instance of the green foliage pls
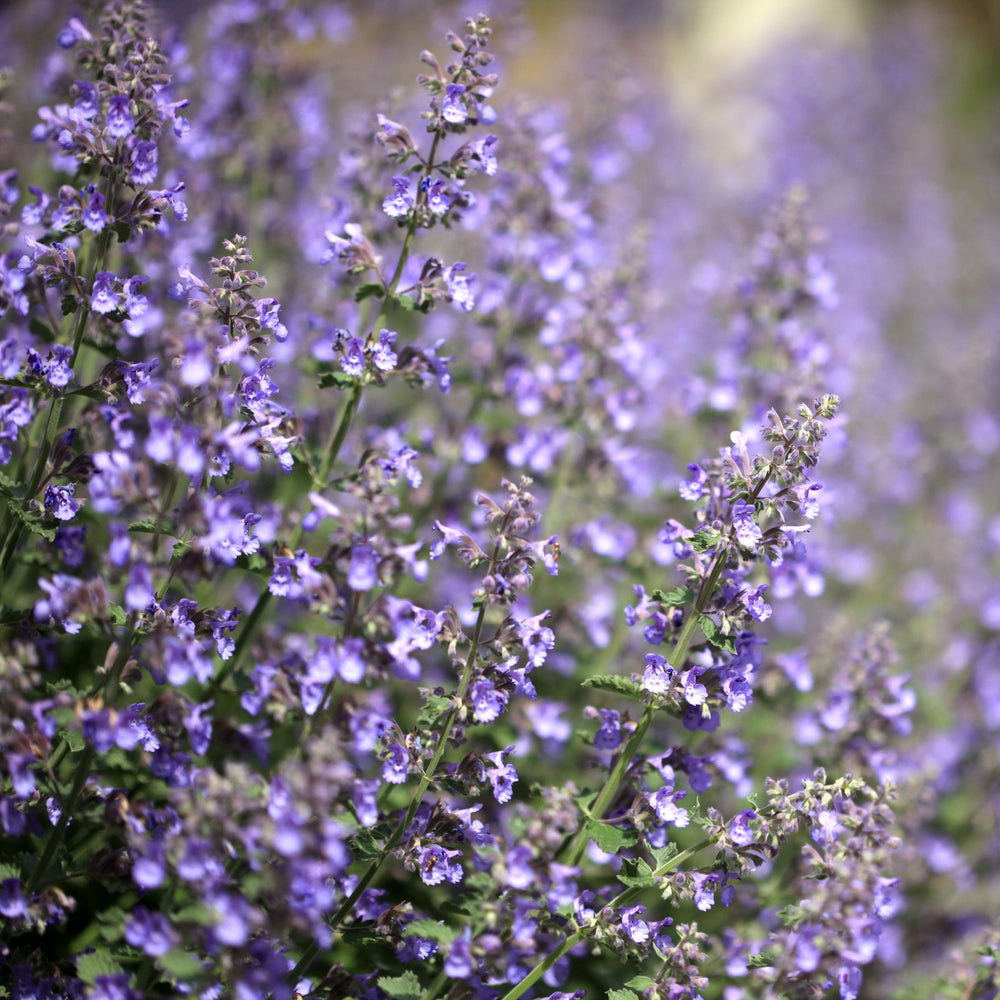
(404, 987)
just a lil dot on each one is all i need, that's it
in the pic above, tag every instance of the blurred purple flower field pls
(499, 504)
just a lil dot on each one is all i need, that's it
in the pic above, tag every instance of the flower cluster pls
(295, 701)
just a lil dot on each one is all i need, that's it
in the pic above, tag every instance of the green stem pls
(52, 420)
(613, 782)
(82, 770)
(348, 410)
(397, 834)
(624, 898)
(59, 833)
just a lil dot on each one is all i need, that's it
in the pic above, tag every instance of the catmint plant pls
(317, 676)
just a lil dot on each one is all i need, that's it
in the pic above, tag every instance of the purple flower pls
(399, 203)
(458, 963)
(120, 120)
(828, 827)
(487, 701)
(103, 297)
(748, 532)
(636, 928)
(59, 500)
(609, 735)
(664, 802)
(12, 901)
(436, 864)
(438, 199)
(658, 674)
(149, 931)
(94, 217)
(692, 489)
(459, 286)
(58, 371)
(362, 574)
(739, 828)
(383, 354)
(453, 108)
(753, 601)
(501, 775)
(353, 361)
(396, 764)
(144, 166)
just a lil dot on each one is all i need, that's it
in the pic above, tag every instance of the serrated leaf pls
(406, 302)
(636, 873)
(405, 987)
(763, 960)
(118, 614)
(146, 525)
(7, 870)
(365, 291)
(622, 995)
(610, 839)
(11, 487)
(661, 855)
(431, 929)
(97, 963)
(364, 846)
(181, 965)
(702, 541)
(673, 598)
(715, 636)
(69, 305)
(433, 709)
(640, 982)
(31, 521)
(624, 686)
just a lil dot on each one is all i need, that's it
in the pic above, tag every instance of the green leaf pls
(147, 525)
(406, 302)
(365, 846)
(11, 487)
(714, 634)
(405, 987)
(616, 685)
(123, 231)
(74, 741)
(641, 982)
(69, 305)
(431, 929)
(96, 963)
(760, 961)
(8, 870)
(31, 521)
(674, 598)
(118, 614)
(622, 995)
(661, 855)
(433, 709)
(339, 379)
(366, 291)
(635, 872)
(610, 839)
(702, 541)
(181, 965)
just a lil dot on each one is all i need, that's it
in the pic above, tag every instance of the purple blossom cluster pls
(420, 620)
